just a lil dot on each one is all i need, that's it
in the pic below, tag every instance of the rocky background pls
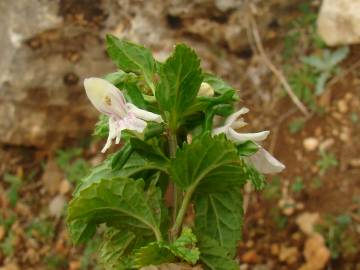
(49, 46)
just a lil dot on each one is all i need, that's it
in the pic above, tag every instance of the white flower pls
(262, 160)
(122, 115)
(206, 90)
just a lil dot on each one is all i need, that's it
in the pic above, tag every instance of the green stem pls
(177, 194)
(182, 212)
(158, 235)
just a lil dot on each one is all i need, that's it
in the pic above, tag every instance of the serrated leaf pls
(131, 57)
(115, 249)
(81, 231)
(119, 201)
(183, 248)
(207, 163)
(215, 257)
(219, 216)
(153, 254)
(134, 165)
(180, 79)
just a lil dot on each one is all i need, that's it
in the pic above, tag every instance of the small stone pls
(250, 257)
(52, 176)
(64, 187)
(288, 254)
(310, 144)
(74, 265)
(287, 206)
(342, 106)
(306, 222)
(274, 249)
(316, 253)
(355, 162)
(57, 205)
(326, 144)
(10, 266)
(2, 232)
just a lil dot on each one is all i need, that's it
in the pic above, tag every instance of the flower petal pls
(264, 162)
(232, 117)
(143, 114)
(206, 90)
(219, 130)
(243, 137)
(111, 136)
(132, 123)
(105, 97)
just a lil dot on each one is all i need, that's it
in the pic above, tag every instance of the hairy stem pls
(176, 192)
(182, 212)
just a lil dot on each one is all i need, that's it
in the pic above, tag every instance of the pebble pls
(325, 145)
(316, 253)
(74, 265)
(342, 106)
(310, 144)
(10, 266)
(56, 205)
(64, 187)
(288, 254)
(355, 162)
(249, 257)
(274, 249)
(2, 232)
(306, 222)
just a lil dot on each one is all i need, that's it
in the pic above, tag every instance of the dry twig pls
(278, 73)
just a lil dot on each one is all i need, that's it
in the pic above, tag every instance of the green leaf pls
(207, 163)
(102, 127)
(134, 165)
(153, 254)
(81, 231)
(119, 201)
(257, 179)
(180, 79)
(219, 215)
(215, 257)
(247, 148)
(315, 61)
(115, 249)
(339, 55)
(185, 247)
(131, 57)
(321, 82)
(156, 253)
(121, 157)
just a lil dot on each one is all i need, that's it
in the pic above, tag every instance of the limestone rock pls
(339, 22)
(316, 253)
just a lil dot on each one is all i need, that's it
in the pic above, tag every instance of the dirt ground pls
(321, 183)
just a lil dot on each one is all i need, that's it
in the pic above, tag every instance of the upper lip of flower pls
(262, 160)
(122, 115)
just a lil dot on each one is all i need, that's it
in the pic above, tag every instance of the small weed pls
(273, 189)
(280, 220)
(7, 245)
(325, 66)
(13, 191)
(42, 228)
(354, 117)
(56, 261)
(334, 230)
(74, 166)
(316, 183)
(326, 161)
(298, 185)
(296, 125)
